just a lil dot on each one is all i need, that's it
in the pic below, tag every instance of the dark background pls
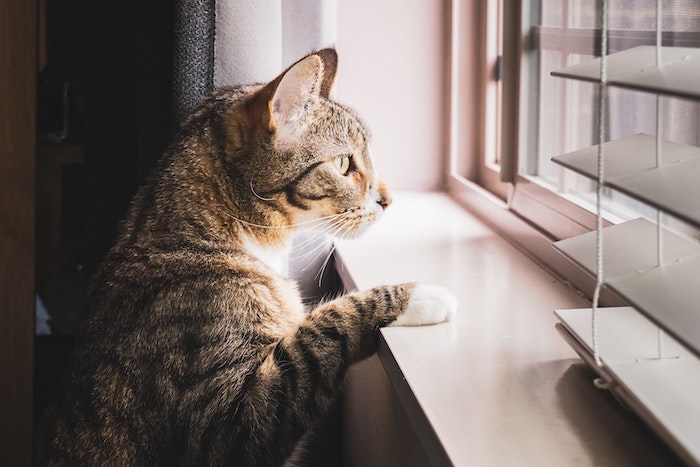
(104, 116)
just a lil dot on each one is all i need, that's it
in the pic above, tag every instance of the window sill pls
(497, 385)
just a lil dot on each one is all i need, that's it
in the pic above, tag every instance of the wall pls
(393, 72)
(376, 429)
(18, 58)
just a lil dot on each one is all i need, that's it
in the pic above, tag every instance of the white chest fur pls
(276, 258)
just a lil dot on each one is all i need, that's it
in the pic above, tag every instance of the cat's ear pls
(310, 77)
(329, 57)
(281, 102)
(285, 99)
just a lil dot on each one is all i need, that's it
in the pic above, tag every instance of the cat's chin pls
(354, 233)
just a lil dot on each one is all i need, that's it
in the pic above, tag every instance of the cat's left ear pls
(307, 79)
(330, 68)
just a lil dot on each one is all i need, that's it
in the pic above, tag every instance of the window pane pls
(568, 113)
(640, 15)
(552, 12)
(583, 14)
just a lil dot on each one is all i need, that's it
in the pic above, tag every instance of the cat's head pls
(305, 156)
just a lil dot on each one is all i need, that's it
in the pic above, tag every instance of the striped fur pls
(193, 351)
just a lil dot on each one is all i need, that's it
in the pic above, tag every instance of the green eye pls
(342, 163)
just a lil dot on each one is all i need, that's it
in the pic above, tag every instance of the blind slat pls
(664, 389)
(667, 294)
(636, 69)
(654, 270)
(630, 167)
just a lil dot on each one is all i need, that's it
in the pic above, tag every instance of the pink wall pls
(393, 72)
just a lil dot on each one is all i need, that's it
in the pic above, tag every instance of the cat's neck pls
(193, 197)
(275, 257)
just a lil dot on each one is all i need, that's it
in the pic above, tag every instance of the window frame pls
(532, 216)
(522, 209)
(529, 215)
(550, 212)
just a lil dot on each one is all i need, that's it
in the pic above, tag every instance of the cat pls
(194, 348)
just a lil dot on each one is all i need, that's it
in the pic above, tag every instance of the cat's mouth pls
(354, 222)
(344, 223)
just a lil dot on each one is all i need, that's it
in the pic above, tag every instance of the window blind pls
(647, 353)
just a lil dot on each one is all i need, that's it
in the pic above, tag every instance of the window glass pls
(565, 32)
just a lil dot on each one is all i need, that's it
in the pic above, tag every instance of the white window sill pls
(497, 385)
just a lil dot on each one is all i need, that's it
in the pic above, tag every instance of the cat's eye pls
(342, 163)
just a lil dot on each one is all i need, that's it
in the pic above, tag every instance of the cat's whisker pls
(313, 237)
(330, 228)
(313, 261)
(341, 225)
(321, 226)
(337, 227)
(321, 272)
(310, 222)
(256, 193)
(332, 231)
(357, 223)
(317, 253)
(309, 253)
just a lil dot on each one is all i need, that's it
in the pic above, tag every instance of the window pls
(477, 144)
(565, 114)
(530, 116)
(645, 120)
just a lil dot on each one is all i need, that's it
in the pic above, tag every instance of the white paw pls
(429, 304)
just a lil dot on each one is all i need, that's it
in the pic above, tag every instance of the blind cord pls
(659, 126)
(602, 123)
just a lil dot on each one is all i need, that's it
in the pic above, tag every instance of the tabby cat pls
(195, 349)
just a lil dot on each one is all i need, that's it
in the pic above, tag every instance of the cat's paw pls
(429, 304)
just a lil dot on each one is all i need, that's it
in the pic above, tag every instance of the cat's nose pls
(384, 201)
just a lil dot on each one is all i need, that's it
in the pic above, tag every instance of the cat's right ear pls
(299, 86)
(284, 100)
(309, 78)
